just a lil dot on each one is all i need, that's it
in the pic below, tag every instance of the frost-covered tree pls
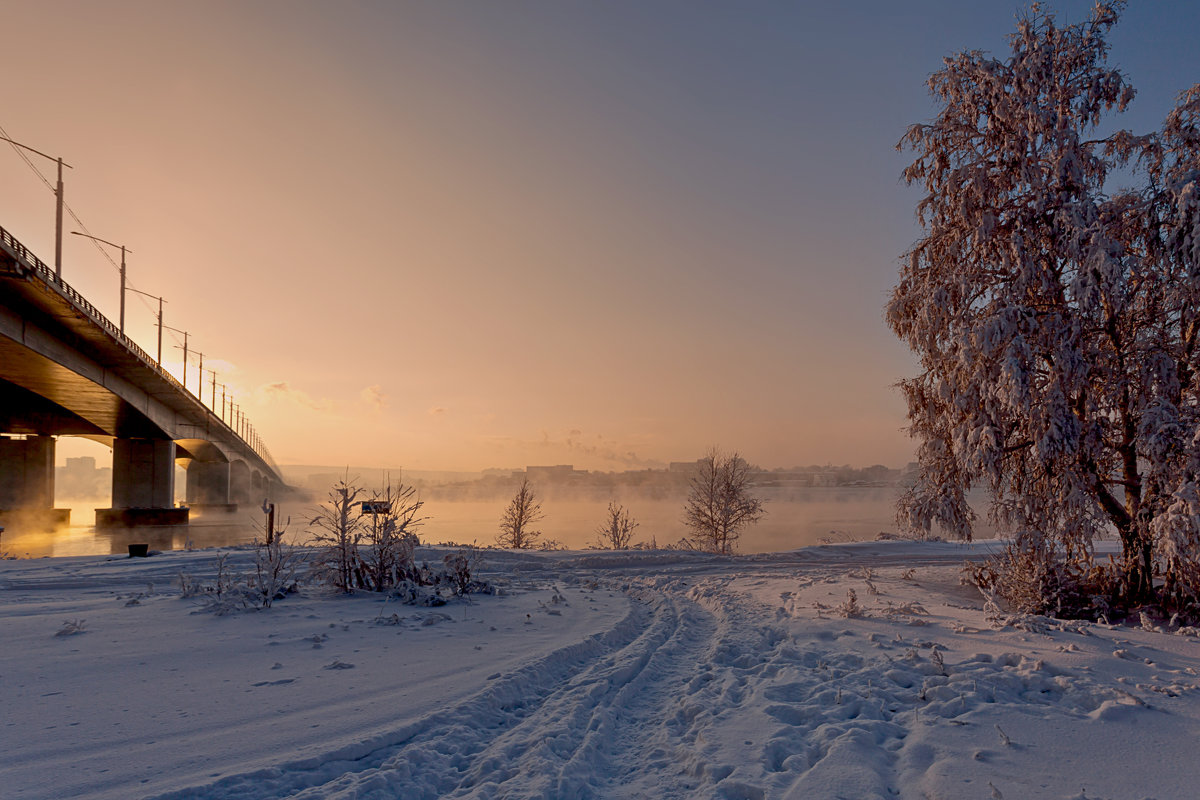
(616, 532)
(720, 502)
(1056, 323)
(337, 530)
(522, 513)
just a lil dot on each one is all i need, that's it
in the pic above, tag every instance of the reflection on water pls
(81, 540)
(795, 518)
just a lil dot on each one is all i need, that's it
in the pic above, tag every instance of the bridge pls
(66, 370)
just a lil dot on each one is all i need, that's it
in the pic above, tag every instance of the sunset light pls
(642, 374)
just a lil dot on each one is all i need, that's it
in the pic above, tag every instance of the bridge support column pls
(143, 490)
(208, 486)
(27, 482)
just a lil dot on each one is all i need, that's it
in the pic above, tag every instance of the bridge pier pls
(208, 486)
(27, 482)
(143, 490)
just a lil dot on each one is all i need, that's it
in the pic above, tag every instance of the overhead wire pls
(67, 206)
(20, 151)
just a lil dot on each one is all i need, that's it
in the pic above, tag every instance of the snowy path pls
(598, 676)
(576, 723)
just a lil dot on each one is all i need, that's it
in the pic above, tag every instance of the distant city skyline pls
(449, 236)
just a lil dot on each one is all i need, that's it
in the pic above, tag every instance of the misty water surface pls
(795, 518)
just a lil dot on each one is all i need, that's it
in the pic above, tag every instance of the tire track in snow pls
(643, 729)
(439, 746)
(567, 743)
(571, 724)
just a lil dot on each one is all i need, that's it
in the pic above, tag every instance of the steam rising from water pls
(795, 518)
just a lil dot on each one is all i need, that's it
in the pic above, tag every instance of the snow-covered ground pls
(642, 674)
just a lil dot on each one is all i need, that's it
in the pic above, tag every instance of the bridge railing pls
(49, 276)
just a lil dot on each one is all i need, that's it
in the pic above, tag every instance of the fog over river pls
(796, 517)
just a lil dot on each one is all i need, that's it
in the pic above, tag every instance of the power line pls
(66, 205)
(256, 447)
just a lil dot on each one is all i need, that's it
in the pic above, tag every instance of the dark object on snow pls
(139, 550)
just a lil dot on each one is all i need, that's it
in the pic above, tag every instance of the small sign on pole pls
(376, 507)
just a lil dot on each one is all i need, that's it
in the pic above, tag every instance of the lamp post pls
(123, 252)
(58, 205)
(160, 324)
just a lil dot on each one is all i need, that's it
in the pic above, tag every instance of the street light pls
(58, 193)
(160, 325)
(123, 252)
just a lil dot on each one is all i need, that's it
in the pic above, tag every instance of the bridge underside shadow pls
(143, 475)
(66, 370)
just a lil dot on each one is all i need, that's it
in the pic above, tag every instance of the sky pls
(460, 235)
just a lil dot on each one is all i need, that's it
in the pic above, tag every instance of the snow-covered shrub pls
(416, 594)
(1032, 578)
(389, 540)
(223, 595)
(274, 575)
(368, 546)
(458, 568)
(850, 608)
(188, 585)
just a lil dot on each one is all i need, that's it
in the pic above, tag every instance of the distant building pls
(557, 473)
(81, 479)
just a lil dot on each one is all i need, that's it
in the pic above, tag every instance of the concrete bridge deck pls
(66, 370)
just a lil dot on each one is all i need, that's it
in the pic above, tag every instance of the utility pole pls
(123, 252)
(160, 318)
(58, 208)
(58, 205)
(185, 351)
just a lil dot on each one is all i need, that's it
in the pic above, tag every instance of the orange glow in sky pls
(454, 236)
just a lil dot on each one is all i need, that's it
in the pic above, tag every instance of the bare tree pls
(720, 503)
(616, 532)
(338, 530)
(516, 525)
(1056, 324)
